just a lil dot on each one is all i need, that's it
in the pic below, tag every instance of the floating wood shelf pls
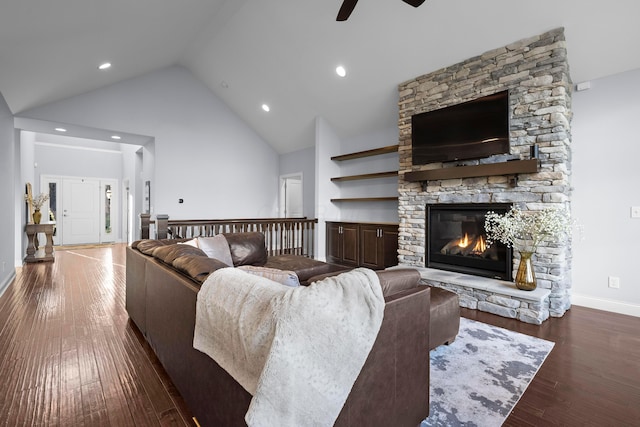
(492, 169)
(367, 153)
(367, 199)
(361, 154)
(367, 176)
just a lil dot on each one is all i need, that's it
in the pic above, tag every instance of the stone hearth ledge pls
(494, 296)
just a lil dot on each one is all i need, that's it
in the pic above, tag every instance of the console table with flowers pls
(34, 252)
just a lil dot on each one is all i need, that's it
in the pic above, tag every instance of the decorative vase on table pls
(525, 276)
(37, 216)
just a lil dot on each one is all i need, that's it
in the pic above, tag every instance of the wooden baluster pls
(283, 230)
(303, 238)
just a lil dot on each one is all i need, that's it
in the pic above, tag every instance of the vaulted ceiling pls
(284, 52)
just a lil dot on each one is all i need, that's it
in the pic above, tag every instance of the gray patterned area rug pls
(479, 378)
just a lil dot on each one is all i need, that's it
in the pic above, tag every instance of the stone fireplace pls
(536, 73)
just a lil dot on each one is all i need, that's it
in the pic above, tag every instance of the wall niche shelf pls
(359, 155)
(513, 167)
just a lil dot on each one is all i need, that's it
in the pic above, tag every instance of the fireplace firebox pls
(456, 240)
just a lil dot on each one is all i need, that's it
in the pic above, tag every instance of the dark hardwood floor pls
(590, 378)
(69, 356)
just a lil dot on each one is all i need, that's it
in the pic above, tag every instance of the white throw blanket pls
(298, 351)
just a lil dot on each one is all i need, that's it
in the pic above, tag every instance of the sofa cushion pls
(168, 253)
(147, 246)
(284, 277)
(391, 281)
(247, 248)
(197, 267)
(216, 247)
(304, 267)
(191, 242)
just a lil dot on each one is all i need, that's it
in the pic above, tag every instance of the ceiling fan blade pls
(346, 9)
(414, 3)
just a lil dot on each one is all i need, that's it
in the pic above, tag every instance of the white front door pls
(81, 211)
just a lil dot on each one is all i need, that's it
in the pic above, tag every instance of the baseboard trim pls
(5, 284)
(606, 304)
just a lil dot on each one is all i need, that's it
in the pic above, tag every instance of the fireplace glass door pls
(456, 241)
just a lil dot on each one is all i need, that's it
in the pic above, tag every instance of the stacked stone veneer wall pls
(536, 73)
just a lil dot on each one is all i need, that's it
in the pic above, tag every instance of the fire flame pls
(464, 242)
(480, 246)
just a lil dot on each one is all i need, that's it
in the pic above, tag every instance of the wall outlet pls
(635, 211)
(614, 282)
(583, 86)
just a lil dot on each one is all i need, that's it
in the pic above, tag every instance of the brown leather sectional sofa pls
(163, 279)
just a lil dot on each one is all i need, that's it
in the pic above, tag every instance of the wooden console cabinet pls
(342, 243)
(371, 245)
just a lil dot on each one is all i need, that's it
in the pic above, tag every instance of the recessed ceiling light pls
(266, 108)
(340, 70)
(104, 66)
(60, 129)
(116, 137)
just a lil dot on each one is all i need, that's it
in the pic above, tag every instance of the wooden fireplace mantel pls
(512, 167)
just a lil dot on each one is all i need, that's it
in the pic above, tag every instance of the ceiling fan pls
(348, 6)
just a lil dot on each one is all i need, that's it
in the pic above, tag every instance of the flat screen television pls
(470, 130)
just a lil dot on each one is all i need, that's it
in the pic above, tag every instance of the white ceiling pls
(284, 52)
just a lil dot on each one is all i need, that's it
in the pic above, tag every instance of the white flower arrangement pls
(38, 201)
(526, 230)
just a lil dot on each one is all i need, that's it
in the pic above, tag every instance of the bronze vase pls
(526, 276)
(37, 216)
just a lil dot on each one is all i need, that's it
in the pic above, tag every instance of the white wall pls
(606, 180)
(26, 147)
(7, 192)
(204, 153)
(69, 161)
(327, 145)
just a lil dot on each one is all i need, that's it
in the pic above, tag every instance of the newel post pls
(162, 224)
(145, 220)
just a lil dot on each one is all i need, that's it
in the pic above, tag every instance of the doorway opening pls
(291, 205)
